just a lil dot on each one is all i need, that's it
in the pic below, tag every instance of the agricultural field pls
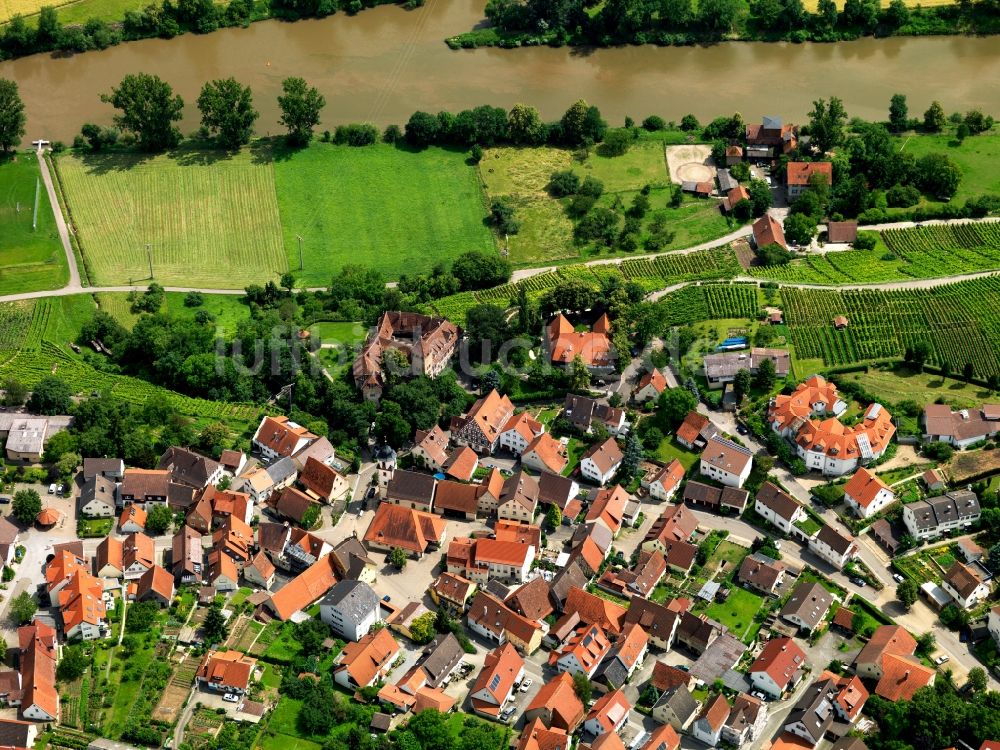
(546, 233)
(650, 273)
(70, 11)
(396, 210)
(209, 221)
(35, 343)
(924, 252)
(959, 321)
(711, 301)
(977, 156)
(30, 259)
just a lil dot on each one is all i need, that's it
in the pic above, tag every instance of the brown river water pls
(383, 64)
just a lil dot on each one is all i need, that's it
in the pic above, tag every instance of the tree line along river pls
(383, 64)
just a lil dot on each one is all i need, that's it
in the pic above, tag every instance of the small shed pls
(842, 231)
(934, 480)
(840, 322)
(380, 722)
(734, 155)
(776, 318)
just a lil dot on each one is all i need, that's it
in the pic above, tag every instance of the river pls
(385, 63)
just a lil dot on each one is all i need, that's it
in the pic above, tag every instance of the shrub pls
(866, 241)
(563, 183)
(653, 123)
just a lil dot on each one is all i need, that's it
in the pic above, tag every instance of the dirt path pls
(74, 272)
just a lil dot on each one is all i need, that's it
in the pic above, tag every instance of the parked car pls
(741, 429)
(525, 685)
(859, 582)
(897, 578)
(507, 713)
(52, 489)
(231, 698)
(942, 659)
(4, 501)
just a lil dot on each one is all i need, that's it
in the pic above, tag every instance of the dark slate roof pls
(441, 657)
(680, 701)
(355, 599)
(411, 486)
(281, 470)
(570, 577)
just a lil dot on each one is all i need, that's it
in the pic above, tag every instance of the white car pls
(942, 659)
(526, 685)
(231, 698)
(52, 489)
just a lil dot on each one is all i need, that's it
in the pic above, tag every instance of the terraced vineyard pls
(960, 322)
(29, 351)
(650, 273)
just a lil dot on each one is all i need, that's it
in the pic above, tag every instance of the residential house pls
(676, 708)
(133, 520)
(722, 368)
(848, 695)
(902, 676)
(770, 139)
(322, 482)
(226, 671)
(97, 497)
(778, 667)
(9, 534)
(412, 530)
(495, 621)
(934, 516)
(761, 573)
(519, 432)
(61, 569)
(960, 428)
(233, 462)
(608, 714)
(108, 558)
(582, 607)
(887, 639)
(556, 704)
(601, 462)
(625, 656)
(593, 347)
(26, 438)
(531, 600)
(676, 524)
(733, 197)
(888, 659)
(557, 490)
(967, 585)
(138, 555)
(307, 587)
(658, 621)
(726, 500)
(827, 445)
(608, 508)
(807, 606)
(747, 721)
(833, 546)
(350, 608)
(582, 412)
(650, 386)
(259, 571)
(189, 468)
(147, 487)
(545, 454)
(427, 343)
(109, 468)
(294, 505)
(38, 652)
(279, 437)
(571, 578)
(710, 722)
(814, 713)
(583, 652)
(155, 585)
(866, 494)
(695, 431)
(503, 668)
(649, 569)
(82, 608)
(480, 429)
(768, 231)
(778, 508)
(800, 175)
(17, 734)
(430, 448)
(518, 498)
(697, 632)
(451, 590)
(590, 546)
(222, 572)
(664, 484)
(457, 499)
(535, 736)
(234, 539)
(363, 663)
(726, 462)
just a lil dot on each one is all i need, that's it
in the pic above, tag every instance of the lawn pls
(30, 259)
(893, 386)
(546, 233)
(227, 309)
(737, 612)
(575, 449)
(339, 333)
(669, 449)
(977, 157)
(207, 220)
(396, 210)
(727, 552)
(94, 527)
(70, 11)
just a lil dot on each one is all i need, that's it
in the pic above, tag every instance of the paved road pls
(74, 272)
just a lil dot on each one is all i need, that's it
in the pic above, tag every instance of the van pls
(52, 489)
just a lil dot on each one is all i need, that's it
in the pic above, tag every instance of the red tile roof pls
(864, 486)
(565, 343)
(799, 172)
(558, 696)
(768, 231)
(781, 658)
(413, 530)
(227, 669)
(902, 676)
(308, 586)
(366, 658)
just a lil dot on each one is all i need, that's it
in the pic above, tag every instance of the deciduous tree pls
(227, 111)
(12, 116)
(300, 106)
(397, 558)
(934, 118)
(827, 122)
(27, 504)
(906, 592)
(23, 608)
(149, 108)
(898, 113)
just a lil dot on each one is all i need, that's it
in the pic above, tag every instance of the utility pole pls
(149, 256)
(299, 238)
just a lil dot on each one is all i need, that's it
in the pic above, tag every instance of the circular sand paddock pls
(695, 172)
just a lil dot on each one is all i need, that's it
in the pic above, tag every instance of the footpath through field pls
(75, 286)
(74, 273)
